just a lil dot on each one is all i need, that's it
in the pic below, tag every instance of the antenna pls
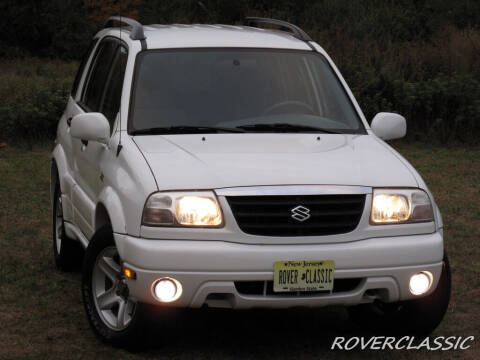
(119, 147)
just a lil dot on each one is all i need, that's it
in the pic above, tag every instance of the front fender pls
(111, 201)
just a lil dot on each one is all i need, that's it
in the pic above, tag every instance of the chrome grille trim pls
(294, 190)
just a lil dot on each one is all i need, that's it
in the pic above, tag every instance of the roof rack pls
(297, 32)
(136, 33)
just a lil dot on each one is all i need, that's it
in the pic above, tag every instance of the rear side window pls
(113, 92)
(98, 75)
(81, 68)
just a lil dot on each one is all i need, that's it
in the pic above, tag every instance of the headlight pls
(182, 209)
(393, 206)
(198, 211)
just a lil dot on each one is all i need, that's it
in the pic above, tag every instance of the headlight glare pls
(392, 206)
(198, 211)
(182, 209)
(388, 208)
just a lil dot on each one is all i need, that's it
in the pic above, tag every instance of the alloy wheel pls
(110, 293)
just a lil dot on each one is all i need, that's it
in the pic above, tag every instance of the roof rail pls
(297, 32)
(136, 33)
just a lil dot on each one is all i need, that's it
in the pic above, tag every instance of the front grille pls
(266, 288)
(271, 215)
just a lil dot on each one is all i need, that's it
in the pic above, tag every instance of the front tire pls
(413, 317)
(113, 316)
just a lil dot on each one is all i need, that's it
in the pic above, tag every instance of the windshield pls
(252, 90)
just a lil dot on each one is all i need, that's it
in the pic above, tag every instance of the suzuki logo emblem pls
(300, 213)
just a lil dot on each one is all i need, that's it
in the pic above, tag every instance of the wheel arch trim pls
(60, 173)
(58, 169)
(109, 209)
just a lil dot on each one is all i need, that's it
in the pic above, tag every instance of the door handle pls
(69, 121)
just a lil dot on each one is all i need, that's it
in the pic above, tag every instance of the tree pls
(100, 10)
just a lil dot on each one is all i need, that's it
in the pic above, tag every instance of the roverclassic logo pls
(300, 213)
(403, 343)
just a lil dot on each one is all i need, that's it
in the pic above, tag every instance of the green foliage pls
(33, 94)
(419, 58)
(47, 28)
(445, 108)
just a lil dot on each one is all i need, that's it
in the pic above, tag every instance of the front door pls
(102, 92)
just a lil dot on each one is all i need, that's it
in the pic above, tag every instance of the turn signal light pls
(129, 273)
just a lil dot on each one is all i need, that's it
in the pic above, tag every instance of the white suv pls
(230, 166)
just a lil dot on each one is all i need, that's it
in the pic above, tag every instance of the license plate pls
(304, 275)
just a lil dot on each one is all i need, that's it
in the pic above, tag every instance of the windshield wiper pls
(184, 129)
(285, 127)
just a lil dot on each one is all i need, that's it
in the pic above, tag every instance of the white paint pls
(209, 260)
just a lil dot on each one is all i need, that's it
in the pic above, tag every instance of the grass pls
(41, 312)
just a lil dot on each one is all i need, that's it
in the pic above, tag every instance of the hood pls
(212, 161)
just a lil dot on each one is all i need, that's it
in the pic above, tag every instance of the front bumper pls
(208, 270)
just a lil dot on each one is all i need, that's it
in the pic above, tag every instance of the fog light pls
(420, 283)
(167, 289)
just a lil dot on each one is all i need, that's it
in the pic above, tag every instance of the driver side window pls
(103, 89)
(97, 77)
(113, 92)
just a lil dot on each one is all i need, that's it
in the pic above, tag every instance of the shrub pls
(33, 95)
(435, 85)
(420, 58)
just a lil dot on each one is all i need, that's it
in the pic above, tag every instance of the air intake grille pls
(314, 215)
(266, 288)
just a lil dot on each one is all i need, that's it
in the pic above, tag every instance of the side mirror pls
(90, 127)
(388, 126)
